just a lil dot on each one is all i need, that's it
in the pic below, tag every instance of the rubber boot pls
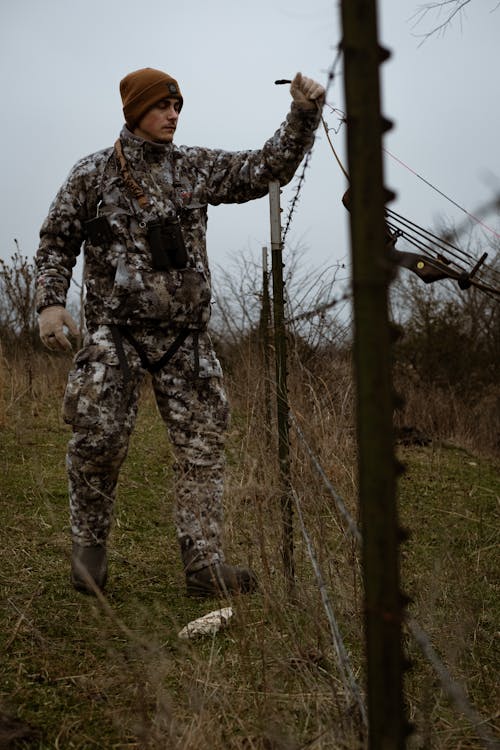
(220, 580)
(89, 564)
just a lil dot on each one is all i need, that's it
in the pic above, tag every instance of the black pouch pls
(167, 244)
(98, 231)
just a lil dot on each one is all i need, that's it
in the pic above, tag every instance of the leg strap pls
(122, 332)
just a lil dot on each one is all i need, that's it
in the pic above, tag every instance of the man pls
(140, 211)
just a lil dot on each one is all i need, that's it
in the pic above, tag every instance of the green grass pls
(80, 673)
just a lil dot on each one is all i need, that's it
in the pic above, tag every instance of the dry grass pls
(470, 420)
(79, 673)
(29, 380)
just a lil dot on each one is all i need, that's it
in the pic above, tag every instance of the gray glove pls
(51, 321)
(306, 93)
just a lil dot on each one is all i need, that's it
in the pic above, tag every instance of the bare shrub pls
(316, 299)
(451, 338)
(447, 362)
(17, 300)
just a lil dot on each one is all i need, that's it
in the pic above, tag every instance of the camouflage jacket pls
(179, 181)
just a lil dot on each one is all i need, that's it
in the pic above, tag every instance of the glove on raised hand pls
(51, 321)
(306, 92)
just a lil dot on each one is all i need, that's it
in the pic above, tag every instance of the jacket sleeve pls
(236, 177)
(61, 237)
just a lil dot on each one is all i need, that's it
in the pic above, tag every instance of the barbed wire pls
(342, 655)
(450, 686)
(321, 309)
(352, 526)
(301, 178)
(296, 197)
(453, 689)
(332, 69)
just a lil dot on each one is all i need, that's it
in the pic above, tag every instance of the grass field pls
(83, 673)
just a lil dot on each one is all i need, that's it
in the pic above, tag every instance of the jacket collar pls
(135, 146)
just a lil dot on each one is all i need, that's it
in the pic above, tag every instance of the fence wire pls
(339, 502)
(301, 178)
(453, 689)
(450, 686)
(342, 655)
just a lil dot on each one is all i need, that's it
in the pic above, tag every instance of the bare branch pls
(315, 299)
(453, 8)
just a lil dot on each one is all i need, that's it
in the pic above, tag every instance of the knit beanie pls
(142, 89)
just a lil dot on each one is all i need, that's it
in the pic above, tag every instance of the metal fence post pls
(264, 323)
(372, 355)
(281, 385)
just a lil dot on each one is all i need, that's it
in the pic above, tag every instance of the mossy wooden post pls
(281, 384)
(372, 352)
(264, 323)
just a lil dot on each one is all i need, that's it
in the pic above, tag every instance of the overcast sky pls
(61, 63)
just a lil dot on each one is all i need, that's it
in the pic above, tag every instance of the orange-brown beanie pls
(141, 89)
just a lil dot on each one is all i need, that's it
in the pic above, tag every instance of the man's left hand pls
(306, 93)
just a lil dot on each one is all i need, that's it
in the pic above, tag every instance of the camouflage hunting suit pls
(125, 294)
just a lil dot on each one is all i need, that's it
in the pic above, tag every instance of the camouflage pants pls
(101, 406)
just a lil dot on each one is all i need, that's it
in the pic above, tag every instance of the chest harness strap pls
(119, 332)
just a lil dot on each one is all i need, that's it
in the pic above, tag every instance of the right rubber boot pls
(220, 580)
(89, 565)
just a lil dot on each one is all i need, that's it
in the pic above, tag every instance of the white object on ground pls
(209, 624)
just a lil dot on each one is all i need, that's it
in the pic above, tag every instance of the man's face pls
(159, 122)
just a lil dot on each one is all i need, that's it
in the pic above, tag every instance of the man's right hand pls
(51, 322)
